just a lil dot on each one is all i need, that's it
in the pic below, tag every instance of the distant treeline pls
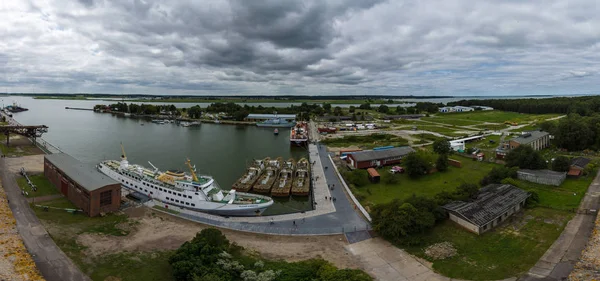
(283, 97)
(584, 106)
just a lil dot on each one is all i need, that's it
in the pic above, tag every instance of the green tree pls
(442, 146)
(383, 108)
(441, 163)
(400, 110)
(561, 164)
(358, 177)
(497, 174)
(574, 133)
(401, 222)
(337, 111)
(240, 115)
(416, 165)
(194, 112)
(352, 109)
(366, 106)
(466, 191)
(327, 107)
(525, 157)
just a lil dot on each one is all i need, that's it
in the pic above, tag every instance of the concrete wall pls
(467, 225)
(555, 181)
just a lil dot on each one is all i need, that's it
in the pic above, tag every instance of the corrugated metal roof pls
(492, 201)
(271, 116)
(85, 175)
(580, 162)
(530, 137)
(369, 155)
(372, 172)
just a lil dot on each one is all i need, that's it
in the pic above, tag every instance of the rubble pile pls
(440, 251)
(15, 262)
(588, 266)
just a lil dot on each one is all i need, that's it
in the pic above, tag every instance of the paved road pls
(344, 219)
(558, 262)
(49, 259)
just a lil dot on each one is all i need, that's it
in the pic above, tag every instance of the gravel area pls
(588, 266)
(15, 262)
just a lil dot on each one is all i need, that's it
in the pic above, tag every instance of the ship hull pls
(280, 125)
(186, 199)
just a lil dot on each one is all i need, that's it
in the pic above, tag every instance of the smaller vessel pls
(245, 183)
(268, 178)
(276, 131)
(158, 121)
(141, 124)
(275, 122)
(299, 134)
(301, 186)
(14, 108)
(284, 184)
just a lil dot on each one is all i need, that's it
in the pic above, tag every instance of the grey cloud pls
(449, 47)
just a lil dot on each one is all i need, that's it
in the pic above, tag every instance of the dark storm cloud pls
(270, 47)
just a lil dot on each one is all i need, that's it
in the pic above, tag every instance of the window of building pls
(177, 201)
(193, 205)
(106, 198)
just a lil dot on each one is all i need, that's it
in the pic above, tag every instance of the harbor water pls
(222, 151)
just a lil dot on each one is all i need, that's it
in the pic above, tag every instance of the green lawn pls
(450, 119)
(428, 185)
(44, 186)
(368, 141)
(492, 127)
(80, 222)
(444, 130)
(495, 116)
(507, 251)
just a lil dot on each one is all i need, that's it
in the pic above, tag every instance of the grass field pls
(79, 221)
(496, 116)
(452, 120)
(123, 266)
(367, 141)
(507, 251)
(444, 130)
(428, 185)
(44, 186)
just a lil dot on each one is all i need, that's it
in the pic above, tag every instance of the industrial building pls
(538, 140)
(87, 188)
(375, 158)
(262, 117)
(494, 204)
(547, 177)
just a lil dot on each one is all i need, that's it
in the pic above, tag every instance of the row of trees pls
(581, 105)
(142, 109)
(575, 132)
(211, 257)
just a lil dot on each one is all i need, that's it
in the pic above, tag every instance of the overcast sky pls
(252, 47)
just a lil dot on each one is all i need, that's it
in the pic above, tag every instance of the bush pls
(532, 200)
(442, 163)
(442, 146)
(525, 157)
(497, 174)
(358, 177)
(561, 164)
(416, 164)
(401, 222)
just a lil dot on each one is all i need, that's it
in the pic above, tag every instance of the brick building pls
(375, 158)
(82, 184)
(538, 140)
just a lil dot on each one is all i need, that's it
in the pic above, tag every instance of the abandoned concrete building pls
(547, 177)
(494, 204)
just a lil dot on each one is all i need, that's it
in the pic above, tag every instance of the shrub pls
(442, 163)
(561, 164)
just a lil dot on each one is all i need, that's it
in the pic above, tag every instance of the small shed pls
(546, 177)
(578, 164)
(373, 175)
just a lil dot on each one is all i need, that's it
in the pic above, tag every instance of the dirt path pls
(155, 231)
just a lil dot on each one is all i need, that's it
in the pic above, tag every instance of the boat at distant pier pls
(245, 183)
(299, 134)
(269, 177)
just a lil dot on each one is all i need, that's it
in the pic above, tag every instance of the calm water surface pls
(222, 151)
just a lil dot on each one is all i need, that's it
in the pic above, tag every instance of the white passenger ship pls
(198, 193)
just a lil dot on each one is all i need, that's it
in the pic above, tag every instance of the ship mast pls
(189, 164)
(123, 156)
